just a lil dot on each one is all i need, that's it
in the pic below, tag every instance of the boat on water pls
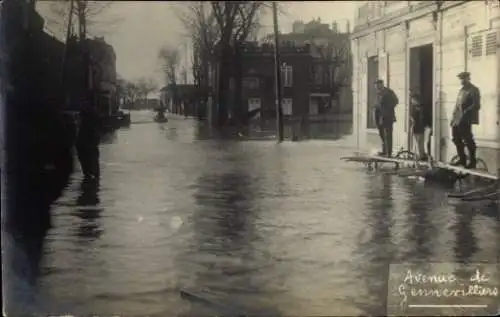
(160, 119)
(160, 115)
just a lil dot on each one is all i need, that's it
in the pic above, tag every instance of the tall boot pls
(462, 158)
(472, 157)
(388, 144)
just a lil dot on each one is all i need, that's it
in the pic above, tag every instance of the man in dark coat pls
(465, 114)
(87, 142)
(385, 115)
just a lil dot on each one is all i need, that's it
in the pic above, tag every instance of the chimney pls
(348, 27)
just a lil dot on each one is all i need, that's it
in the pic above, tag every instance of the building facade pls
(103, 74)
(422, 46)
(307, 79)
(331, 69)
(258, 79)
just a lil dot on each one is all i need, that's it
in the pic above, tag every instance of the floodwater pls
(244, 227)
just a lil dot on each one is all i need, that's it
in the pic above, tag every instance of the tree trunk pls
(239, 108)
(224, 63)
(203, 85)
(223, 86)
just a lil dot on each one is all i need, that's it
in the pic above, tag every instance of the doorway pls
(422, 82)
(372, 76)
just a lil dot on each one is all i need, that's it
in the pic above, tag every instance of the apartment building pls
(422, 46)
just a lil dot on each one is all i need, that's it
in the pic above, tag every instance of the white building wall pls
(452, 61)
(394, 63)
(451, 56)
(459, 25)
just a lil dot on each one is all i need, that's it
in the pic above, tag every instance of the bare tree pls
(129, 92)
(96, 15)
(169, 60)
(145, 86)
(217, 28)
(201, 29)
(337, 66)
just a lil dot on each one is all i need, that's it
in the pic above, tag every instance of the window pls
(313, 107)
(477, 46)
(491, 43)
(287, 76)
(287, 106)
(372, 70)
(251, 83)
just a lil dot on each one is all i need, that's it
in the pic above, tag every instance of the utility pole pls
(277, 65)
(68, 35)
(81, 8)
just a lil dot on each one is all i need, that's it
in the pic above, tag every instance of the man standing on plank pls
(466, 114)
(385, 116)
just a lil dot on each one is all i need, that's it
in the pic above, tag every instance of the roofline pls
(402, 16)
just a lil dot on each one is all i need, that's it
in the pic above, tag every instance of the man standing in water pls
(385, 116)
(466, 114)
(87, 142)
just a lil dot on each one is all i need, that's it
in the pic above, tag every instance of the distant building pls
(316, 73)
(422, 46)
(298, 27)
(146, 104)
(258, 80)
(181, 99)
(35, 58)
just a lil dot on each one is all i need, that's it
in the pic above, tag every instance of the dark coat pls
(467, 106)
(386, 104)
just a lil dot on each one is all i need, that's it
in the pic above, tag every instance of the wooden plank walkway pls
(468, 171)
(440, 165)
(381, 159)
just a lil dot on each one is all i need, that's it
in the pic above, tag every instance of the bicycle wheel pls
(406, 155)
(480, 163)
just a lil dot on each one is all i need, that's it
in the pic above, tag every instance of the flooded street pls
(244, 227)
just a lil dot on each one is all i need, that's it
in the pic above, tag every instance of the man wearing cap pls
(385, 115)
(465, 114)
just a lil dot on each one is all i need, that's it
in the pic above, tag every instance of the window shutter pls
(491, 43)
(476, 45)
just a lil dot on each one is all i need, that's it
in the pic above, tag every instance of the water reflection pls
(262, 228)
(108, 138)
(422, 231)
(466, 242)
(171, 133)
(378, 251)
(331, 129)
(87, 210)
(21, 257)
(224, 236)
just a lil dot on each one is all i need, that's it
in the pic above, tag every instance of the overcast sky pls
(140, 29)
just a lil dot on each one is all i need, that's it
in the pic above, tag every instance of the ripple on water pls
(286, 228)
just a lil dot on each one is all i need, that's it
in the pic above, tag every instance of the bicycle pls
(480, 163)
